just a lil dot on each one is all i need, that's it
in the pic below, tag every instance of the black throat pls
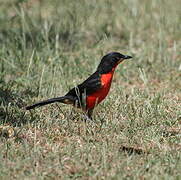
(106, 67)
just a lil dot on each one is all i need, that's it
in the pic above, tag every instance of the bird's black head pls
(110, 61)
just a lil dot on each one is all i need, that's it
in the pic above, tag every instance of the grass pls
(48, 47)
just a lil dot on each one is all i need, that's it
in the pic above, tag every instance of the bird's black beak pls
(127, 57)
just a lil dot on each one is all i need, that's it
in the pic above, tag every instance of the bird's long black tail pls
(63, 99)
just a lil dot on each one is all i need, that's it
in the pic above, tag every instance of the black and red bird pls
(94, 89)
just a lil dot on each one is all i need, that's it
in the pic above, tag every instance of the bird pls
(93, 90)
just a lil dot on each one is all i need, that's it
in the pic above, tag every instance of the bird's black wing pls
(89, 86)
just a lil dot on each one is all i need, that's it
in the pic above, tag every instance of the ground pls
(47, 47)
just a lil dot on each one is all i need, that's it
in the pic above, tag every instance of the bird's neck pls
(106, 69)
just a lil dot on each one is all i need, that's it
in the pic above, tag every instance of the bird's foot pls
(86, 118)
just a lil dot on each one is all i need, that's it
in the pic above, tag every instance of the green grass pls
(47, 47)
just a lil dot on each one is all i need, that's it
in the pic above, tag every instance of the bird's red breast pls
(95, 98)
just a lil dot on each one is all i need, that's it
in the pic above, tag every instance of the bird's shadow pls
(12, 105)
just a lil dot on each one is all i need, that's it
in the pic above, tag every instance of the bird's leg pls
(89, 113)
